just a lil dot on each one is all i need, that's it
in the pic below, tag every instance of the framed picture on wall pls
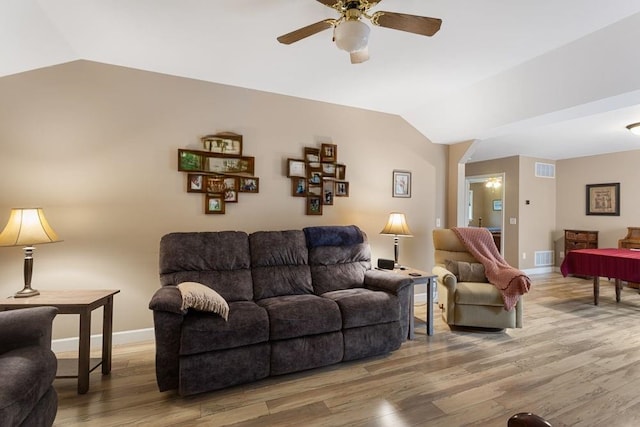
(195, 183)
(497, 205)
(603, 199)
(214, 204)
(249, 185)
(401, 183)
(314, 205)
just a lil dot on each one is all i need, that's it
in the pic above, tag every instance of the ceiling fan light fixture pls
(634, 128)
(352, 35)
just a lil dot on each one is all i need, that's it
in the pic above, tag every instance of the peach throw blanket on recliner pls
(510, 281)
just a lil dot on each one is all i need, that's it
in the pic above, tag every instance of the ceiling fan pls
(352, 35)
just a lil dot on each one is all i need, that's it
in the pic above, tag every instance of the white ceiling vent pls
(545, 170)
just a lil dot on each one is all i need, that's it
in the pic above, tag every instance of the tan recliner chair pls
(474, 304)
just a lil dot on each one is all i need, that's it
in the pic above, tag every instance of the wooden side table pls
(419, 277)
(81, 302)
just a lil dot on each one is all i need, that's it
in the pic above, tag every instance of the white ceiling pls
(544, 78)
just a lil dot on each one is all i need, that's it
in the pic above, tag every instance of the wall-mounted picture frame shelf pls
(220, 171)
(317, 177)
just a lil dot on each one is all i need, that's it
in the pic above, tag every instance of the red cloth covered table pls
(619, 264)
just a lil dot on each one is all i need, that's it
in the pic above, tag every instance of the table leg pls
(596, 289)
(107, 334)
(430, 283)
(84, 351)
(618, 283)
(412, 327)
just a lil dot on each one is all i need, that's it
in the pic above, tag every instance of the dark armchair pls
(27, 367)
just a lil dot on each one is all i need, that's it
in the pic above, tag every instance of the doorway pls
(484, 204)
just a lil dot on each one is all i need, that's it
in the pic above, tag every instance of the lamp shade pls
(352, 35)
(27, 227)
(396, 225)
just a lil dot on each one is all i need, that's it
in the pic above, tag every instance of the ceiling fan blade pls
(410, 23)
(360, 56)
(305, 32)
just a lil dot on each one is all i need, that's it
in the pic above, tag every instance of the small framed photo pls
(195, 183)
(231, 185)
(401, 183)
(223, 143)
(341, 172)
(312, 155)
(342, 188)
(497, 205)
(218, 163)
(214, 184)
(315, 178)
(249, 185)
(603, 199)
(328, 191)
(328, 153)
(296, 168)
(214, 204)
(314, 205)
(328, 169)
(190, 161)
(299, 187)
(314, 190)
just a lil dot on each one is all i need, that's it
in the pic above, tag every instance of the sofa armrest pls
(386, 281)
(26, 327)
(167, 298)
(445, 278)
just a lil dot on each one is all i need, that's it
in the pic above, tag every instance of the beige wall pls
(537, 219)
(458, 156)
(535, 222)
(575, 174)
(510, 167)
(95, 146)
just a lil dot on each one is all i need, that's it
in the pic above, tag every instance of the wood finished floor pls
(573, 363)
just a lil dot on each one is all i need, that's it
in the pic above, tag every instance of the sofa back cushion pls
(220, 260)
(448, 247)
(279, 264)
(339, 263)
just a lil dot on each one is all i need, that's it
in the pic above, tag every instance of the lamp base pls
(26, 293)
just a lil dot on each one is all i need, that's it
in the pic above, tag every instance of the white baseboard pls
(124, 337)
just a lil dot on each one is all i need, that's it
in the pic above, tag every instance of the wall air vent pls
(545, 170)
(544, 258)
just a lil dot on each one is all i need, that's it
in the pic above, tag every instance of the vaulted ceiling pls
(545, 78)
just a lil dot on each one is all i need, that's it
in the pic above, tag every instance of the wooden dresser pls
(580, 239)
(631, 241)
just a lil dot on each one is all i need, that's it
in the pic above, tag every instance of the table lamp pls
(27, 227)
(396, 226)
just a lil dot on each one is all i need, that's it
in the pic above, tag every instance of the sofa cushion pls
(202, 331)
(339, 267)
(27, 375)
(293, 316)
(219, 260)
(306, 352)
(476, 293)
(200, 297)
(279, 261)
(364, 307)
(466, 271)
